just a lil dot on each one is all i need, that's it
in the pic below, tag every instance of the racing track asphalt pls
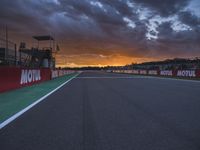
(104, 111)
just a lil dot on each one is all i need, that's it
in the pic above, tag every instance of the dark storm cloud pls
(166, 34)
(172, 43)
(106, 17)
(120, 6)
(109, 19)
(26, 16)
(164, 7)
(189, 18)
(104, 26)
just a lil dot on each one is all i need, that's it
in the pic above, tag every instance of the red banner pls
(173, 73)
(13, 77)
(58, 73)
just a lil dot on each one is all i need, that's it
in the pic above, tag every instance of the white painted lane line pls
(15, 116)
(106, 77)
(168, 78)
(140, 77)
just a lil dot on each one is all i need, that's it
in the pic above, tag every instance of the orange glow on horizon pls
(95, 60)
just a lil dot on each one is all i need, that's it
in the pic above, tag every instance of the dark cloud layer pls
(164, 7)
(189, 19)
(135, 28)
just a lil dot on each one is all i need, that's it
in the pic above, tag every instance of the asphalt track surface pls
(104, 111)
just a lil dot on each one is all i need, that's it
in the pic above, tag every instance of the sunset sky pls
(107, 32)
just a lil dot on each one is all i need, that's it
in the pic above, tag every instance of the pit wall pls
(167, 73)
(13, 77)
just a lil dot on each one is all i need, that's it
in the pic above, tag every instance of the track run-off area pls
(107, 111)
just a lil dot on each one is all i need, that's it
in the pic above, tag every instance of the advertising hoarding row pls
(14, 77)
(172, 73)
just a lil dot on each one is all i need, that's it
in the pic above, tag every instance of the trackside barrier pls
(173, 73)
(15, 77)
(59, 73)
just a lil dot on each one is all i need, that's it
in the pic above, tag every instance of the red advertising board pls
(58, 73)
(13, 77)
(198, 73)
(192, 73)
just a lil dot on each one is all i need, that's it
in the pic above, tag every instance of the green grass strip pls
(16, 100)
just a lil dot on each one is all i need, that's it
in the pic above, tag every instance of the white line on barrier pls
(15, 116)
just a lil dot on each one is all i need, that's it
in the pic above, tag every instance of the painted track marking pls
(105, 77)
(140, 77)
(15, 116)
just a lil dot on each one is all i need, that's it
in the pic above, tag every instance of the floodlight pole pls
(15, 54)
(6, 50)
(54, 49)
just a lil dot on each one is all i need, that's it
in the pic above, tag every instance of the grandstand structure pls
(40, 56)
